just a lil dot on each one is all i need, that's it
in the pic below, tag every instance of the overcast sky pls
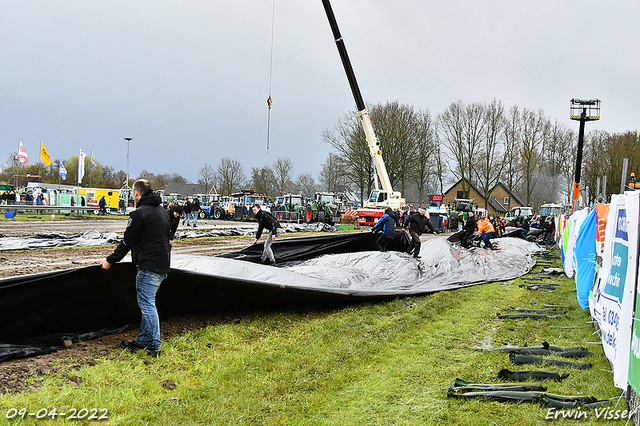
(189, 80)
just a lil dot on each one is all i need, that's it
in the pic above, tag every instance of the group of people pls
(547, 225)
(488, 228)
(10, 197)
(151, 230)
(192, 210)
(416, 223)
(149, 234)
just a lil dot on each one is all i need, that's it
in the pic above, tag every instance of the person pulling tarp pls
(487, 232)
(386, 224)
(417, 223)
(266, 221)
(469, 229)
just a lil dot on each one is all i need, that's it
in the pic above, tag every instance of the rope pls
(273, 21)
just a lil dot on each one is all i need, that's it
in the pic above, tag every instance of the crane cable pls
(269, 101)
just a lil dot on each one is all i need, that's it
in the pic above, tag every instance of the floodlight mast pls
(582, 110)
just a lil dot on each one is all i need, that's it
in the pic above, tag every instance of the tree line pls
(482, 144)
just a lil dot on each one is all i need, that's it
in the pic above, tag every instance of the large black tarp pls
(38, 312)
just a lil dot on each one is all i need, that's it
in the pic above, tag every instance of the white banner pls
(613, 295)
(22, 154)
(81, 166)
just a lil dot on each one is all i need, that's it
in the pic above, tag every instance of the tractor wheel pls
(308, 215)
(202, 214)
(322, 216)
(218, 213)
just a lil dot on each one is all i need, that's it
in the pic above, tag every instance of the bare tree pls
(559, 149)
(513, 137)
(425, 161)
(489, 163)
(604, 156)
(205, 176)
(331, 173)
(283, 175)
(352, 150)
(230, 175)
(460, 129)
(306, 184)
(176, 178)
(535, 128)
(404, 139)
(397, 130)
(262, 180)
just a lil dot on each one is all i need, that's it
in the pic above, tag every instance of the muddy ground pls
(15, 375)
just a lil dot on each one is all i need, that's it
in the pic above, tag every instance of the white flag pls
(81, 166)
(63, 171)
(22, 154)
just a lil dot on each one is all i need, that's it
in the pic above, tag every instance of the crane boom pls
(372, 141)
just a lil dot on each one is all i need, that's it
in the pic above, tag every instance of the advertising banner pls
(614, 291)
(633, 199)
(602, 211)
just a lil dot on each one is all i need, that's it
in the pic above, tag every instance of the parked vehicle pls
(323, 208)
(552, 209)
(516, 215)
(289, 208)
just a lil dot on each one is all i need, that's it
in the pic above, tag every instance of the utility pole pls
(128, 140)
(582, 110)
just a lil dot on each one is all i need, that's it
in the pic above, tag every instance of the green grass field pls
(371, 364)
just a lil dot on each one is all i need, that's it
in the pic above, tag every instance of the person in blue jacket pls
(386, 224)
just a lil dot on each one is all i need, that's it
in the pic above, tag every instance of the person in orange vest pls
(486, 231)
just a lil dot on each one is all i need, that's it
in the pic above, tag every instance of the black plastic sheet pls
(42, 310)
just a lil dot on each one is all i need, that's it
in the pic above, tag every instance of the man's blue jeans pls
(147, 285)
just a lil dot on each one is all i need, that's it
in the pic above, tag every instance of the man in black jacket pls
(195, 210)
(147, 237)
(416, 224)
(175, 211)
(266, 221)
(470, 227)
(187, 211)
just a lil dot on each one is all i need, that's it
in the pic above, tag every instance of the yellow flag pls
(44, 155)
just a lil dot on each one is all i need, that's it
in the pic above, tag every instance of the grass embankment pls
(371, 364)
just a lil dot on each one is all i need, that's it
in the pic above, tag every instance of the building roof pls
(460, 181)
(497, 206)
(511, 194)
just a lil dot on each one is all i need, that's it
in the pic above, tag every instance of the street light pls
(582, 110)
(128, 140)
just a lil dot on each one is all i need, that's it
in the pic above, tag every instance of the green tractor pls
(289, 208)
(323, 208)
(459, 212)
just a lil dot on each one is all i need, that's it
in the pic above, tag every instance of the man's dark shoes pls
(152, 353)
(135, 347)
(132, 345)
